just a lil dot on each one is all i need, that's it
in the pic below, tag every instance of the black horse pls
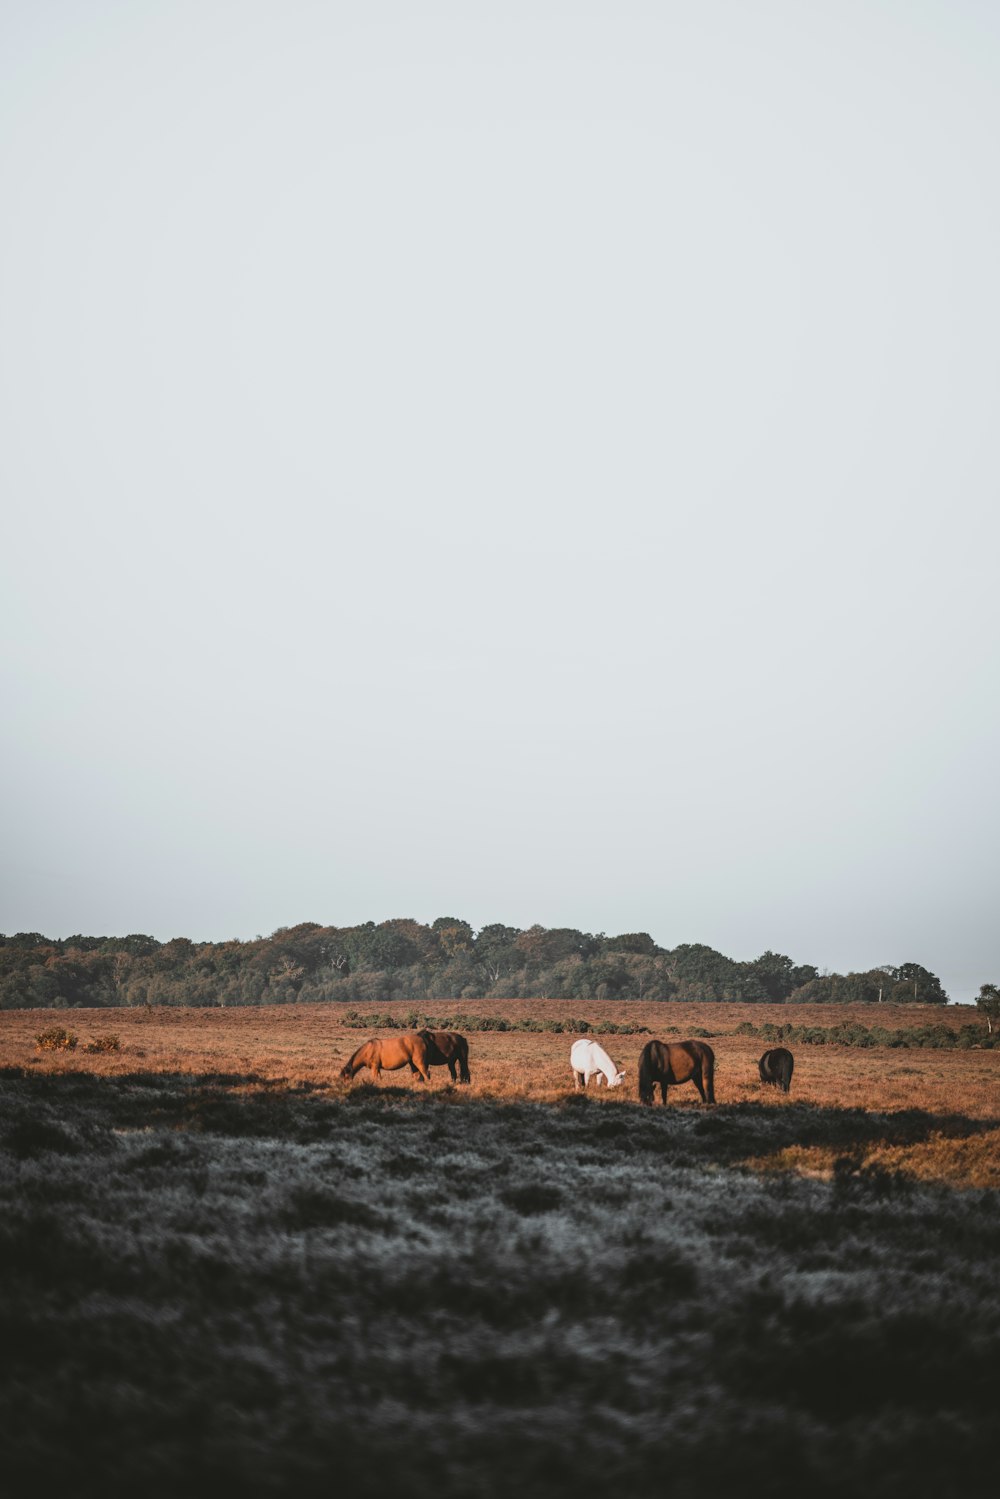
(448, 1047)
(776, 1067)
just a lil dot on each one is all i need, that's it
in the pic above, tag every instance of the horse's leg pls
(696, 1079)
(663, 1090)
(579, 1081)
(452, 1068)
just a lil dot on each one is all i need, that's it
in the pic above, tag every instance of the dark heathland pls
(221, 1282)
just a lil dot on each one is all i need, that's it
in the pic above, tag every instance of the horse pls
(666, 1062)
(451, 1048)
(409, 1050)
(776, 1067)
(589, 1057)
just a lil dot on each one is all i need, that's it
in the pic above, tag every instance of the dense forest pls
(404, 959)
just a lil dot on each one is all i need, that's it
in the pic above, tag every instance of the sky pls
(525, 462)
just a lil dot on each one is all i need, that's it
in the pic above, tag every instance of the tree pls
(453, 934)
(541, 944)
(919, 985)
(495, 949)
(703, 973)
(778, 975)
(640, 943)
(381, 948)
(988, 1001)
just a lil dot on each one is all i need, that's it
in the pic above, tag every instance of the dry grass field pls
(221, 1265)
(305, 1045)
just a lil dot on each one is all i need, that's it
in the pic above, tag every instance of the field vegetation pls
(221, 1265)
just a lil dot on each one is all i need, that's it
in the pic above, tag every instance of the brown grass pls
(973, 1161)
(305, 1045)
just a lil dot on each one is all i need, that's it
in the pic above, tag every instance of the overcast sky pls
(526, 462)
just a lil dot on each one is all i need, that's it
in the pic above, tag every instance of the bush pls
(852, 1033)
(103, 1043)
(55, 1039)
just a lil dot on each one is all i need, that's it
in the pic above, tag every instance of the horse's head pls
(347, 1071)
(618, 1079)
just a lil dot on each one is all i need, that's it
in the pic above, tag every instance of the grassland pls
(220, 1265)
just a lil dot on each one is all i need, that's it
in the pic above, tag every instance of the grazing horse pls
(666, 1062)
(589, 1057)
(409, 1050)
(451, 1048)
(776, 1067)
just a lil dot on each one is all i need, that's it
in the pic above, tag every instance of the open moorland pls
(221, 1264)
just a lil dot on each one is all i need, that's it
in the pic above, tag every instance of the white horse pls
(587, 1058)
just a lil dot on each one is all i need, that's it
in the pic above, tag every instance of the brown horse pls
(409, 1050)
(451, 1048)
(666, 1062)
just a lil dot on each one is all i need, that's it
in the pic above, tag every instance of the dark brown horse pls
(451, 1048)
(666, 1062)
(775, 1066)
(409, 1050)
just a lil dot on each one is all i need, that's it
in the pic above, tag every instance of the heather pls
(286, 1286)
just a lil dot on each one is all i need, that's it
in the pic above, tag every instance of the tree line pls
(380, 962)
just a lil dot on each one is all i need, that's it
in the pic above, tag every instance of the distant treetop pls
(403, 958)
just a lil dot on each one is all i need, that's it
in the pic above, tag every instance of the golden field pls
(304, 1046)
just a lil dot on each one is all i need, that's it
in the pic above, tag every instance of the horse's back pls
(442, 1046)
(677, 1061)
(397, 1051)
(776, 1066)
(447, 1049)
(582, 1055)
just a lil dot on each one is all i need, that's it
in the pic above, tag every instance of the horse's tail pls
(462, 1047)
(646, 1074)
(708, 1072)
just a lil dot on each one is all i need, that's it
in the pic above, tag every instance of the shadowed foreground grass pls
(213, 1280)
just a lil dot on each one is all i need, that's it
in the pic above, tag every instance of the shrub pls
(852, 1033)
(104, 1043)
(55, 1039)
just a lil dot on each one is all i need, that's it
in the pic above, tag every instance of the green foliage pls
(853, 1033)
(633, 942)
(908, 984)
(402, 959)
(988, 1003)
